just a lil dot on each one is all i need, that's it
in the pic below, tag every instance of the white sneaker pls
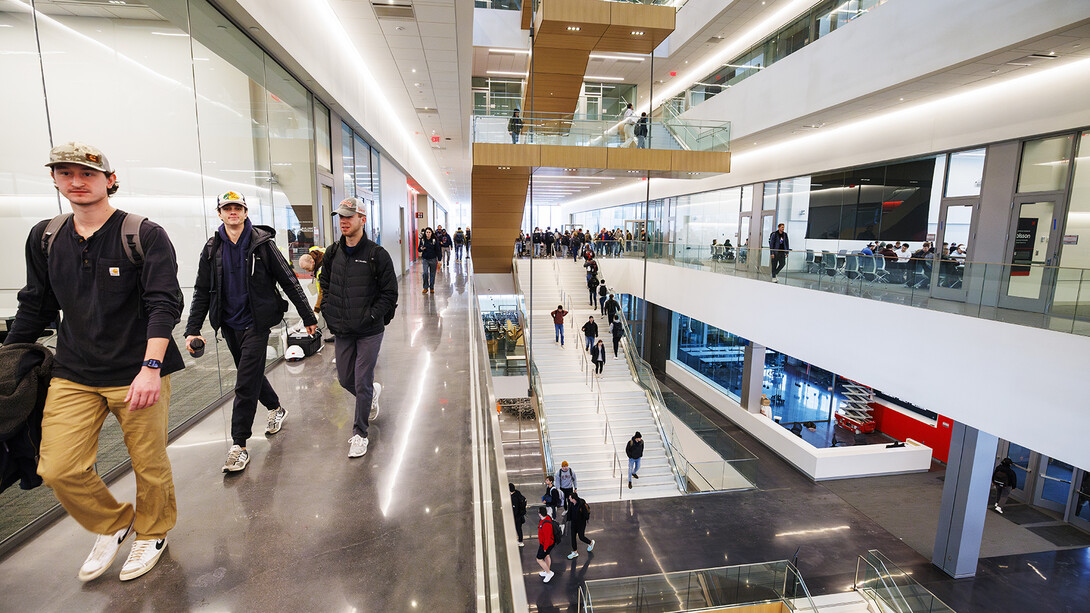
(103, 553)
(590, 547)
(573, 555)
(237, 459)
(374, 403)
(998, 509)
(521, 544)
(775, 280)
(357, 446)
(549, 576)
(142, 557)
(542, 574)
(275, 420)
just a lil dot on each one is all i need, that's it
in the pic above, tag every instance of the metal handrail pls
(880, 577)
(608, 438)
(535, 380)
(805, 590)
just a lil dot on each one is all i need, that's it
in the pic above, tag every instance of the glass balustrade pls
(576, 130)
(879, 579)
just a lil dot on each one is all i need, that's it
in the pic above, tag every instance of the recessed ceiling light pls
(637, 33)
(414, 70)
(902, 99)
(416, 85)
(573, 28)
(400, 28)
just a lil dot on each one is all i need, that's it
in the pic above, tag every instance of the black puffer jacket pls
(25, 370)
(429, 248)
(267, 267)
(358, 289)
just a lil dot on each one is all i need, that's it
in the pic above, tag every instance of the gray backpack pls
(130, 236)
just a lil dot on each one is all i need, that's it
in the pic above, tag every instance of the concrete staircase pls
(575, 417)
(841, 602)
(661, 138)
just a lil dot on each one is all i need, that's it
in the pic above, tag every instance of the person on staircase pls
(558, 323)
(579, 514)
(565, 480)
(598, 356)
(611, 308)
(603, 295)
(634, 451)
(592, 288)
(590, 331)
(617, 328)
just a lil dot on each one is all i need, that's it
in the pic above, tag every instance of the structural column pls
(753, 377)
(964, 501)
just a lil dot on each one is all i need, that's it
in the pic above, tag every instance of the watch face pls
(152, 363)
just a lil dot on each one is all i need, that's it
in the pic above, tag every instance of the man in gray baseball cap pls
(85, 155)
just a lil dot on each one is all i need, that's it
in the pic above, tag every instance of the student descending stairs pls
(578, 407)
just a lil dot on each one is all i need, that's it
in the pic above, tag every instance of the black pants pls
(598, 366)
(593, 296)
(779, 260)
(519, 520)
(616, 345)
(577, 531)
(566, 491)
(251, 386)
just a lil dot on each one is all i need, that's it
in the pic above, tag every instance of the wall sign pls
(419, 215)
(1024, 238)
(1071, 239)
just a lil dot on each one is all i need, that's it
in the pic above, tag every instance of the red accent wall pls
(901, 427)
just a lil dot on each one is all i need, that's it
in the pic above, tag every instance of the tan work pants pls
(73, 418)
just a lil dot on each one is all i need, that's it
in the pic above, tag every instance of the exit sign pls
(420, 216)
(435, 139)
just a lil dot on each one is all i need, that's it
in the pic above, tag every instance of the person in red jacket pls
(545, 543)
(558, 323)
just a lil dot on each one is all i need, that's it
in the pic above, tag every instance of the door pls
(1053, 487)
(768, 226)
(1023, 460)
(956, 219)
(325, 215)
(743, 240)
(1031, 252)
(637, 228)
(401, 240)
(1080, 509)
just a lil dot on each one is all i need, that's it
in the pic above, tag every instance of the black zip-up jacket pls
(267, 269)
(111, 306)
(353, 303)
(429, 249)
(590, 329)
(444, 240)
(634, 449)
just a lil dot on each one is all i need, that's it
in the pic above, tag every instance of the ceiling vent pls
(431, 110)
(399, 10)
(715, 40)
(1032, 59)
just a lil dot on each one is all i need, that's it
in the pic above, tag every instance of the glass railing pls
(696, 136)
(729, 586)
(735, 467)
(502, 5)
(535, 377)
(1029, 294)
(581, 131)
(893, 590)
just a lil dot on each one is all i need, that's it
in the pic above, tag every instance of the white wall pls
(1048, 100)
(499, 28)
(1020, 383)
(395, 195)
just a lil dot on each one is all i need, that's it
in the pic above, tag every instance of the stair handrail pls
(792, 570)
(535, 379)
(890, 589)
(608, 438)
(656, 401)
(691, 139)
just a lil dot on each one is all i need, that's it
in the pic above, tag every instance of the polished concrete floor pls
(304, 528)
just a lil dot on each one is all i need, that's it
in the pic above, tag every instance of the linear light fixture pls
(511, 51)
(504, 73)
(619, 58)
(590, 78)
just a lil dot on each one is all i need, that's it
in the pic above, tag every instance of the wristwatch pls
(152, 364)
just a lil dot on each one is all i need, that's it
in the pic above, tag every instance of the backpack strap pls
(50, 232)
(130, 238)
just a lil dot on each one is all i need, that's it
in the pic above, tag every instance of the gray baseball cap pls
(79, 153)
(349, 207)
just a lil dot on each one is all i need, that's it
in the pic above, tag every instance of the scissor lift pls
(855, 413)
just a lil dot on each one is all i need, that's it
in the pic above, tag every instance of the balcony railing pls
(580, 131)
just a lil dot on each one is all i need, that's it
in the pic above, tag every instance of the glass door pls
(1053, 487)
(1080, 511)
(768, 226)
(1031, 252)
(743, 240)
(956, 219)
(1023, 459)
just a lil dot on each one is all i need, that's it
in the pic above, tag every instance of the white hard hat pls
(294, 353)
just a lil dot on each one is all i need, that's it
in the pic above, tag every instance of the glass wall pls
(716, 355)
(361, 178)
(185, 106)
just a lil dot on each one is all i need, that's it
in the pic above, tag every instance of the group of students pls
(434, 247)
(554, 243)
(114, 276)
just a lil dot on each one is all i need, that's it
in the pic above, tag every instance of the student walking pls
(565, 480)
(779, 245)
(603, 295)
(598, 356)
(1004, 480)
(518, 507)
(514, 127)
(238, 272)
(611, 308)
(590, 331)
(592, 287)
(634, 451)
(579, 515)
(459, 244)
(617, 329)
(552, 497)
(360, 299)
(445, 244)
(548, 533)
(430, 252)
(558, 323)
(114, 276)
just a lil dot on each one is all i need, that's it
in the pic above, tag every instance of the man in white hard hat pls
(115, 278)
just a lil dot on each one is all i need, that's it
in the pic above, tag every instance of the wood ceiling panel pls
(642, 16)
(638, 159)
(568, 62)
(504, 154)
(574, 12)
(562, 156)
(700, 161)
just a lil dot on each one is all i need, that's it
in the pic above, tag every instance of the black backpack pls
(584, 510)
(557, 534)
(370, 257)
(130, 236)
(1000, 477)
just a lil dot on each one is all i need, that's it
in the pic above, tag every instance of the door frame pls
(1038, 499)
(765, 253)
(1043, 302)
(948, 293)
(741, 262)
(1023, 494)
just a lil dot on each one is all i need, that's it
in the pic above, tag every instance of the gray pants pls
(356, 359)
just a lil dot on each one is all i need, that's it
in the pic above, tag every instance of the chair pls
(866, 266)
(851, 266)
(828, 264)
(811, 265)
(881, 275)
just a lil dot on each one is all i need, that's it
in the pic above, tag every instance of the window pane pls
(1044, 164)
(362, 167)
(907, 200)
(1070, 295)
(826, 198)
(323, 148)
(348, 161)
(965, 173)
